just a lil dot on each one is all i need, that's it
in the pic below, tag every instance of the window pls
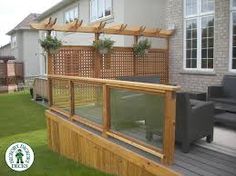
(100, 9)
(71, 15)
(199, 34)
(13, 42)
(233, 36)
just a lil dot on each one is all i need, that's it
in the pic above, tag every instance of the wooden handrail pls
(117, 83)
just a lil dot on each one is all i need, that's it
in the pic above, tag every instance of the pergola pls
(77, 26)
(101, 27)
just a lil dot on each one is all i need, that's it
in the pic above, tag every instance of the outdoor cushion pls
(143, 79)
(229, 86)
(224, 100)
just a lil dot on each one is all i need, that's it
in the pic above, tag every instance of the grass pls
(22, 120)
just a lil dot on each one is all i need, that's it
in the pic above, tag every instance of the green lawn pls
(22, 120)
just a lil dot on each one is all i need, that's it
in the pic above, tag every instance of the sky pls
(13, 12)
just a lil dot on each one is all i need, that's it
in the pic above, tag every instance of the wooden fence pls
(11, 73)
(96, 103)
(84, 61)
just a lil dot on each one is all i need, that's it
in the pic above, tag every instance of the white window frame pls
(75, 8)
(232, 10)
(104, 17)
(198, 17)
(13, 41)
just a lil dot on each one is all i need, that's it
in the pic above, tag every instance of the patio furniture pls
(226, 118)
(144, 79)
(197, 95)
(224, 94)
(194, 120)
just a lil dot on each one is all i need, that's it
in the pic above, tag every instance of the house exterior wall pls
(5, 50)
(17, 51)
(84, 14)
(150, 13)
(31, 53)
(198, 80)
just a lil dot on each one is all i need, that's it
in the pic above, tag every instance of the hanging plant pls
(142, 47)
(51, 44)
(104, 46)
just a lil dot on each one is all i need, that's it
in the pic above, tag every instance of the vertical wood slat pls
(106, 109)
(50, 96)
(169, 128)
(90, 149)
(50, 65)
(97, 63)
(72, 98)
(134, 60)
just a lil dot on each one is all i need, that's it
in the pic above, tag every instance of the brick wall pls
(198, 81)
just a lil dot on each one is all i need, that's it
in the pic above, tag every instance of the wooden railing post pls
(72, 99)
(134, 56)
(97, 61)
(106, 110)
(169, 128)
(50, 97)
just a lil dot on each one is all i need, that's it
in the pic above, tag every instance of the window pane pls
(188, 63)
(211, 32)
(207, 41)
(194, 54)
(234, 3)
(210, 63)
(234, 38)
(204, 63)
(210, 53)
(194, 33)
(108, 6)
(234, 64)
(100, 8)
(188, 34)
(210, 42)
(207, 6)
(194, 63)
(194, 43)
(204, 43)
(204, 53)
(234, 52)
(93, 9)
(191, 7)
(188, 54)
(189, 44)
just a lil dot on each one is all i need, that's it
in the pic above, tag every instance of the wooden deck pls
(199, 161)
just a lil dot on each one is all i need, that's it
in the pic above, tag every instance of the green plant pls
(104, 46)
(142, 47)
(50, 44)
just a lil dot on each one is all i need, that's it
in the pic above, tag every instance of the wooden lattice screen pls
(80, 61)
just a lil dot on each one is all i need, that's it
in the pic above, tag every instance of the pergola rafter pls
(97, 28)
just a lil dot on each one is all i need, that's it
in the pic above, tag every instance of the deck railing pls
(142, 115)
(40, 87)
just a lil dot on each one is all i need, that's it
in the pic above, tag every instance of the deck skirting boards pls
(90, 149)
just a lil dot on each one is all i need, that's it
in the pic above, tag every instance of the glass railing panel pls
(88, 101)
(138, 115)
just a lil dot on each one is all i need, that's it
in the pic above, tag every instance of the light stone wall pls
(198, 81)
